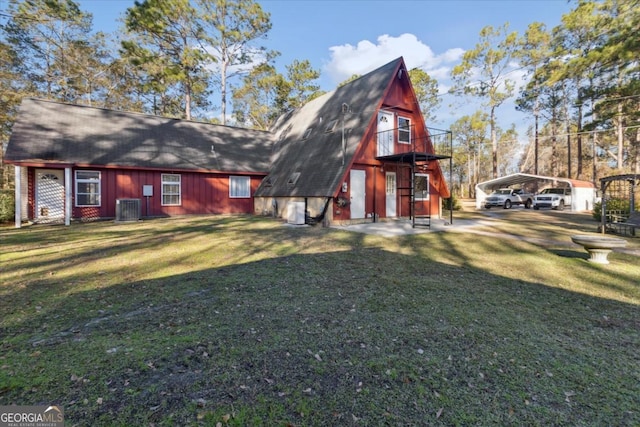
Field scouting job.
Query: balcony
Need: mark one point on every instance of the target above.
(408, 146)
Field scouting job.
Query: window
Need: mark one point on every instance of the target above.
(421, 186)
(269, 181)
(171, 190)
(331, 126)
(87, 188)
(49, 177)
(239, 187)
(404, 130)
(293, 179)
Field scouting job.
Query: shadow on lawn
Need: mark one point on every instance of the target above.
(571, 254)
(354, 334)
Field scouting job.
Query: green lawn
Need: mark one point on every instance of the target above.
(244, 321)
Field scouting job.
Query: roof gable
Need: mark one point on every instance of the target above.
(54, 132)
(318, 140)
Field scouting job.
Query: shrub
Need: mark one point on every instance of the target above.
(7, 205)
(452, 203)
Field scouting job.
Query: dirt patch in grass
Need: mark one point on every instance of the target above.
(242, 321)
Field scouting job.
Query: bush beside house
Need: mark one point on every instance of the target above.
(7, 203)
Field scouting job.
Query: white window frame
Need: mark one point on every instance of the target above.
(239, 187)
(421, 194)
(95, 179)
(403, 129)
(171, 183)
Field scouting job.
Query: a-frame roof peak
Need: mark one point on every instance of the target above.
(320, 157)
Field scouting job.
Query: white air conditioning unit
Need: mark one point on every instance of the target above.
(295, 213)
(127, 209)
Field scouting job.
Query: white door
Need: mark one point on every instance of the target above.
(390, 186)
(357, 193)
(385, 134)
(49, 195)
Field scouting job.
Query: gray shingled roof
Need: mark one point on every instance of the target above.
(317, 159)
(301, 146)
(53, 132)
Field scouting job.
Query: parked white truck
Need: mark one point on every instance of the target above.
(507, 197)
(554, 198)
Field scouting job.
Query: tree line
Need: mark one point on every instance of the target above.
(582, 94)
(198, 59)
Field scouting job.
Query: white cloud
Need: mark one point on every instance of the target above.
(347, 60)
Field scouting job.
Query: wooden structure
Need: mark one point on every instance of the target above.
(619, 212)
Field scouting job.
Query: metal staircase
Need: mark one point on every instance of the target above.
(412, 169)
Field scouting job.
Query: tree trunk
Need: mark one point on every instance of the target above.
(187, 101)
(223, 89)
(594, 136)
(579, 143)
(567, 121)
(620, 129)
(535, 153)
(494, 142)
(554, 147)
(636, 152)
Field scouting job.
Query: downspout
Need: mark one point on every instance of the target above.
(18, 195)
(67, 196)
(345, 109)
(375, 180)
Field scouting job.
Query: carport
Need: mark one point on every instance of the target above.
(583, 193)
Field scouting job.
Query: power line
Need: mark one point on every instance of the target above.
(561, 135)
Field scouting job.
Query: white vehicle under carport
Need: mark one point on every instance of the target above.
(507, 197)
(583, 193)
(554, 198)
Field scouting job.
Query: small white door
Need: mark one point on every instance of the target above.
(358, 193)
(391, 200)
(49, 195)
(385, 134)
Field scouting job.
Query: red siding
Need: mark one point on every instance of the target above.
(201, 193)
(401, 98)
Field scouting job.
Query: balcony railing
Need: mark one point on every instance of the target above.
(407, 140)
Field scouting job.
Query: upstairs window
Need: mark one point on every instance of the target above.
(404, 130)
(87, 188)
(171, 190)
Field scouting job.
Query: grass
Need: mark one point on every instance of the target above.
(243, 321)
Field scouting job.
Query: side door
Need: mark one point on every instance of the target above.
(358, 193)
(49, 195)
(390, 194)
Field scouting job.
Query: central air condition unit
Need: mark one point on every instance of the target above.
(127, 209)
(295, 213)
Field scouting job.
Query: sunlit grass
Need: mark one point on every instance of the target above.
(246, 321)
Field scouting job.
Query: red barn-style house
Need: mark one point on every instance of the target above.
(359, 153)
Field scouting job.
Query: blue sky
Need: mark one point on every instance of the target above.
(346, 37)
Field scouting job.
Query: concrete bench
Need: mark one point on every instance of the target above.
(598, 246)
